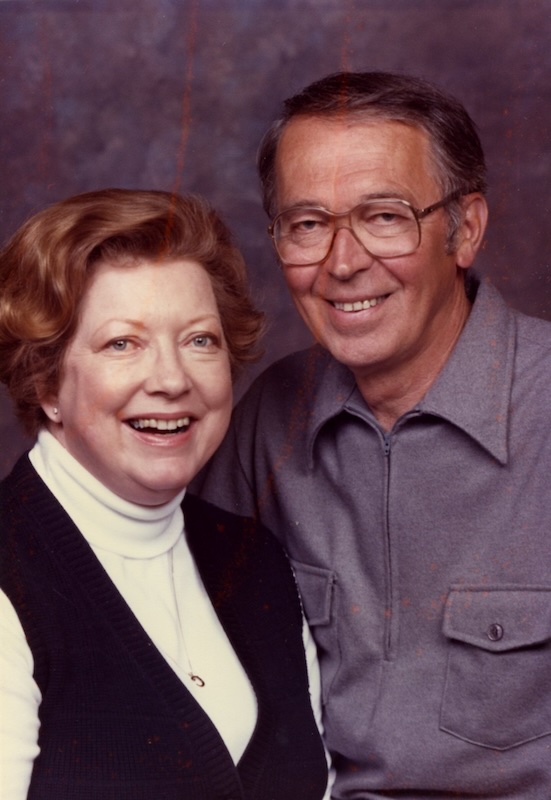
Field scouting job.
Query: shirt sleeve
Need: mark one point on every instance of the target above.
(19, 702)
(314, 681)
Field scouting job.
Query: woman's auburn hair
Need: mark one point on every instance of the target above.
(46, 267)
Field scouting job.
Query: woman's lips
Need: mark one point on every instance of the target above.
(159, 425)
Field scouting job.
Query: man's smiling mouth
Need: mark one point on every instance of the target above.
(359, 305)
(163, 426)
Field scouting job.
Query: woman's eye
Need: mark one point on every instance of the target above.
(203, 340)
(119, 345)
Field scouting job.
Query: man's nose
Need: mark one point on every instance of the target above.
(169, 373)
(347, 255)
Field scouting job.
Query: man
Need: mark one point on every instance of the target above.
(405, 460)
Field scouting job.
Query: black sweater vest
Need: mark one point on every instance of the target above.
(116, 722)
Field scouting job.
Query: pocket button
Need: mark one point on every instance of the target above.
(495, 632)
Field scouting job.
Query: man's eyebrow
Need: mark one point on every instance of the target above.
(383, 194)
(300, 204)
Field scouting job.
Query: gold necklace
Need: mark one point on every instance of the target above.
(190, 672)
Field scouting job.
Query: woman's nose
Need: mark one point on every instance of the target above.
(168, 373)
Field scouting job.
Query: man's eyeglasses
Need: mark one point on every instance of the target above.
(385, 227)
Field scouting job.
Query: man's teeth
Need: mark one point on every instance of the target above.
(161, 424)
(359, 305)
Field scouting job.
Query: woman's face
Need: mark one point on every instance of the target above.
(145, 393)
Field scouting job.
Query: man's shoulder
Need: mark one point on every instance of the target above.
(532, 370)
(532, 335)
(293, 393)
(305, 373)
(292, 365)
(534, 331)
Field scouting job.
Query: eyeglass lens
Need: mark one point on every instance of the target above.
(386, 228)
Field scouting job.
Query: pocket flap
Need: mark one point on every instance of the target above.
(498, 618)
(316, 589)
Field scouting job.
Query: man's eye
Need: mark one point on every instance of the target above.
(384, 215)
(307, 224)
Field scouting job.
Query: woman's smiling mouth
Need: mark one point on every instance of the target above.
(163, 426)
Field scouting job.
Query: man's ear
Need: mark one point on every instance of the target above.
(471, 231)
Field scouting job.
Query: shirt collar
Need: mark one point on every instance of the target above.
(472, 391)
(333, 388)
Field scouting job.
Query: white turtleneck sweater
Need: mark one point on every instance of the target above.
(145, 554)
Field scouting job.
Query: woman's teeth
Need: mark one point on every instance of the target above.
(163, 425)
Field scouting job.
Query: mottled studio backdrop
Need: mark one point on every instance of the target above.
(175, 94)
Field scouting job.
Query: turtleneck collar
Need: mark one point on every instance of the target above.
(106, 520)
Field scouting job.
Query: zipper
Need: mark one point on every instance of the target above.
(392, 606)
(389, 588)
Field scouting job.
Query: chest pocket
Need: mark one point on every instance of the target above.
(498, 684)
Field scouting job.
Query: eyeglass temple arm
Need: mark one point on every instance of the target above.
(423, 212)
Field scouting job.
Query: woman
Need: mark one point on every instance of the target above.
(141, 658)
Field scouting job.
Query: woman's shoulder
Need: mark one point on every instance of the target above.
(239, 551)
(21, 484)
(206, 522)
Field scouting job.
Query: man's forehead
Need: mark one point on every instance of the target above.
(374, 155)
(303, 135)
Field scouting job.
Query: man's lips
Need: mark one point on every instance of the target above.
(160, 425)
(358, 305)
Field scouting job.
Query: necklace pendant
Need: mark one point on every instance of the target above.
(197, 679)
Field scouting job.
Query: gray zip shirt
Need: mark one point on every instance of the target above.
(423, 556)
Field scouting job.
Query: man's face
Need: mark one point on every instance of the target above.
(417, 302)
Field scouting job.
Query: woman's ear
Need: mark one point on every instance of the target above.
(50, 407)
(471, 231)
